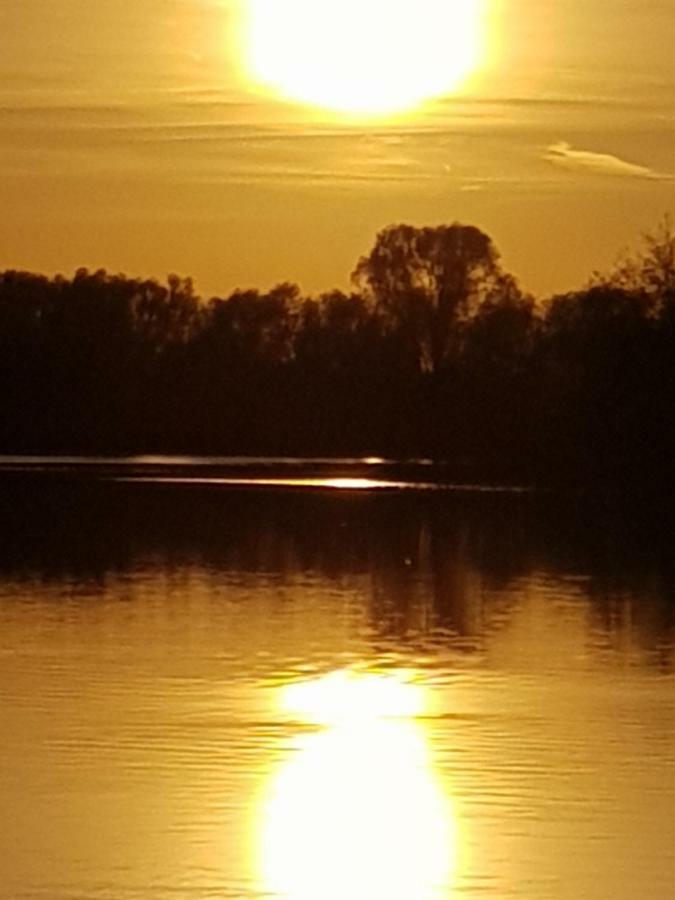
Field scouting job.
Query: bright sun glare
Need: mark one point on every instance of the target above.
(357, 810)
(363, 57)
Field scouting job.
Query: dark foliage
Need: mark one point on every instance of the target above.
(438, 354)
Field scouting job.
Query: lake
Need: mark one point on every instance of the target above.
(330, 681)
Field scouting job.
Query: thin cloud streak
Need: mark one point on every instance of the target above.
(563, 154)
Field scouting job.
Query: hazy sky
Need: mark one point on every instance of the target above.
(131, 139)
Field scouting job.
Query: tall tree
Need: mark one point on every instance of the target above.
(427, 281)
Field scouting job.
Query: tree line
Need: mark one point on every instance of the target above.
(436, 352)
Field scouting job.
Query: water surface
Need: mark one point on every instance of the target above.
(218, 691)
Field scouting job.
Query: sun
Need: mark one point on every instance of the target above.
(362, 57)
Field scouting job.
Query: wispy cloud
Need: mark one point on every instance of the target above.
(563, 154)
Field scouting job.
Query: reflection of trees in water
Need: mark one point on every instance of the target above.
(450, 574)
(441, 570)
(626, 559)
(636, 617)
(428, 587)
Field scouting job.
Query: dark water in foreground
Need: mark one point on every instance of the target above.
(346, 694)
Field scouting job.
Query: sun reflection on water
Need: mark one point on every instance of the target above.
(357, 811)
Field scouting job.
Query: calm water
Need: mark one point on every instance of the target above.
(210, 692)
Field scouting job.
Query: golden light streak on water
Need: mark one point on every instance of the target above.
(357, 809)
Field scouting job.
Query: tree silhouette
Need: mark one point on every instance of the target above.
(426, 281)
(651, 270)
(438, 354)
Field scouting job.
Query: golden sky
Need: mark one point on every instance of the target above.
(133, 138)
